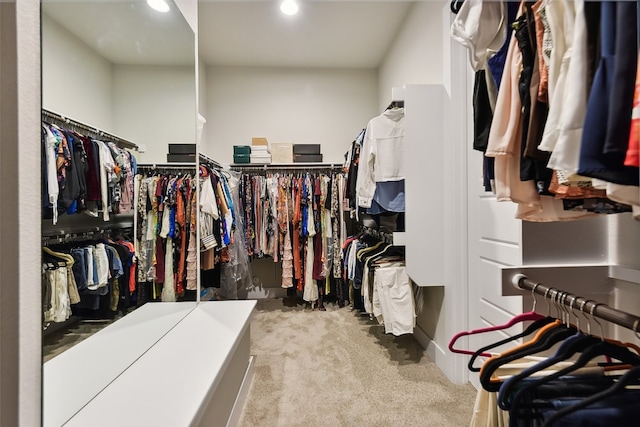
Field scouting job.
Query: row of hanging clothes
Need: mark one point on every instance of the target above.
(555, 104)
(296, 217)
(224, 259)
(90, 278)
(166, 210)
(378, 284)
(374, 168)
(562, 374)
(82, 173)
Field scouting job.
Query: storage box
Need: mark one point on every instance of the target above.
(181, 158)
(182, 149)
(241, 158)
(306, 149)
(241, 149)
(260, 159)
(260, 149)
(282, 152)
(259, 141)
(307, 158)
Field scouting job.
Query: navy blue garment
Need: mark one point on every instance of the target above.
(534, 401)
(620, 410)
(80, 268)
(496, 62)
(606, 130)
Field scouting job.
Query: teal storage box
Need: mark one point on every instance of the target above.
(242, 158)
(241, 150)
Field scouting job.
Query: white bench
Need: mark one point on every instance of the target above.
(165, 364)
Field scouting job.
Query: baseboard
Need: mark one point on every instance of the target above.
(433, 350)
(238, 406)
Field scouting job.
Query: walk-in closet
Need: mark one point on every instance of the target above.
(319, 213)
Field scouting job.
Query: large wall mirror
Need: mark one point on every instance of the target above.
(125, 70)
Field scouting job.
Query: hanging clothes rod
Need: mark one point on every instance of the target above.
(587, 306)
(288, 167)
(209, 161)
(166, 166)
(92, 131)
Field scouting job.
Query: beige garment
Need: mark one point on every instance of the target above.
(287, 260)
(207, 260)
(310, 292)
(168, 289)
(506, 135)
(192, 259)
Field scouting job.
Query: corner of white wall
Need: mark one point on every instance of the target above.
(446, 48)
(189, 9)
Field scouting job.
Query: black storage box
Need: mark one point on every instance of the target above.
(307, 158)
(182, 149)
(181, 158)
(306, 149)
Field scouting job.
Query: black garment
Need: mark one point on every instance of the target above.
(531, 167)
(482, 112)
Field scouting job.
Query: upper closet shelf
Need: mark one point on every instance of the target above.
(92, 131)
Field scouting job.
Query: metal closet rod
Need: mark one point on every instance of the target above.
(168, 167)
(90, 129)
(247, 167)
(210, 161)
(587, 306)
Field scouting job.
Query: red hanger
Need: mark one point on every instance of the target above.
(531, 315)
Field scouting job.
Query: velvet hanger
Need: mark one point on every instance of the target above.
(528, 331)
(631, 377)
(524, 317)
(544, 339)
(574, 344)
(602, 348)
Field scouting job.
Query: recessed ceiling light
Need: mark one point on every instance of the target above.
(289, 7)
(159, 5)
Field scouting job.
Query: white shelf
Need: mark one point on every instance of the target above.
(628, 274)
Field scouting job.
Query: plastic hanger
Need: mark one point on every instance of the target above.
(524, 317)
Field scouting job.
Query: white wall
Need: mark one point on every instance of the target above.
(76, 81)
(415, 57)
(300, 106)
(154, 106)
(20, 315)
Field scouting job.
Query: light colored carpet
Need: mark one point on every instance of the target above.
(338, 368)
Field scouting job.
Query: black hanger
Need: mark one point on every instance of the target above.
(544, 342)
(602, 348)
(530, 329)
(572, 345)
(455, 6)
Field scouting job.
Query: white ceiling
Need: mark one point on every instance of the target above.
(126, 31)
(335, 34)
(325, 33)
